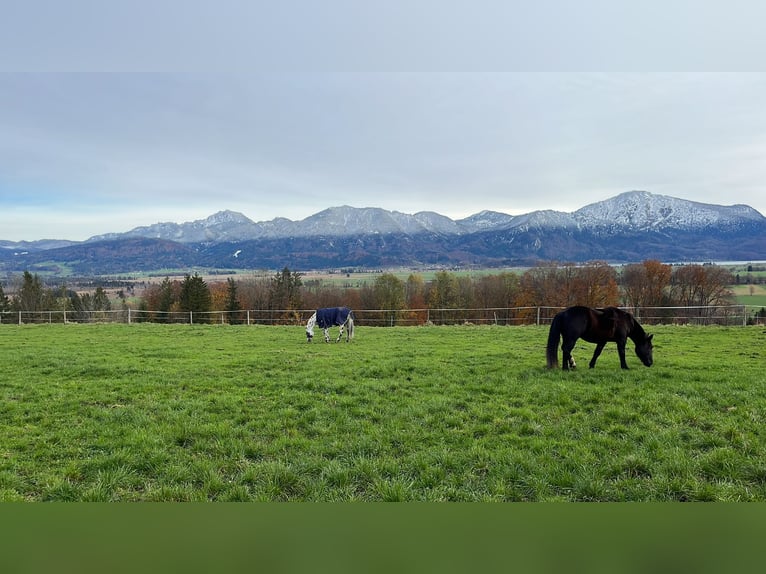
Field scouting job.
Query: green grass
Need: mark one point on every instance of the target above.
(753, 302)
(235, 413)
(360, 278)
(743, 295)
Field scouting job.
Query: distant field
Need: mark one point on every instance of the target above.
(231, 413)
(751, 295)
(362, 278)
(358, 279)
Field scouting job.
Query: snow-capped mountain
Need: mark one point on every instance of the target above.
(221, 226)
(346, 220)
(641, 210)
(485, 220)
(632, 226)
(545, 219)
(633, 211)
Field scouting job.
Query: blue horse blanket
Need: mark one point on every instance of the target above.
(332, 316)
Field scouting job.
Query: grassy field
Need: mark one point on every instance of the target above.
(234, 413)
(751, 295)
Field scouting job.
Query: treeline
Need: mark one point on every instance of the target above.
(555, 285)
(33, 296)
(391, 298)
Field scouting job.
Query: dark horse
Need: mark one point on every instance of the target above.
(597, 326)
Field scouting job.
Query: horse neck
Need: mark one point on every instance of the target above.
(636, 332)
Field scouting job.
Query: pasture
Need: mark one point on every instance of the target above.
(751, 295)
(149, 412)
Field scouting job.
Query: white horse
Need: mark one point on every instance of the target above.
(329, 317)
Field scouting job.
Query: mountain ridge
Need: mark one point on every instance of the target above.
(628, 227)
(632, 209)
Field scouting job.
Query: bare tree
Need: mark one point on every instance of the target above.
(645, 284)
(701, 285)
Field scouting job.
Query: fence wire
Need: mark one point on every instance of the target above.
(541, 315)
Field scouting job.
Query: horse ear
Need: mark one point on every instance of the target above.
(649, 338)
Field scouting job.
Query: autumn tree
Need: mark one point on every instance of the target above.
(539, 286)
(162, 299)
(553, 285)
(498, 292)
(701, 285)
(5, 303)
(218, 295)
(390, 296)
(253, 292)
(646, 284)
(415, 298)
(594, 285)
(317, 294)
(465, 296)
(443, 293)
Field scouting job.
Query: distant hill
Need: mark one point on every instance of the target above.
(632, 226)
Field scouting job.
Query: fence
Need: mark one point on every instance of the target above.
(694, 315)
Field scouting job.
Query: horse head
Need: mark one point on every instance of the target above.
(644, 350)
(310, 327)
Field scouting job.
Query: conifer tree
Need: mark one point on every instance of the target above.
(232, 302)
(285, 292)
(31, 295)
(195, 296)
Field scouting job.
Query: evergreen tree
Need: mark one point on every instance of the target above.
(285, 292)
(31, 295)
(166, 300)
(101, 300)
(195, 296)
(78, 306)
(232, 302)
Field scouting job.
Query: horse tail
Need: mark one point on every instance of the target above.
(350, 325)
(552, 350)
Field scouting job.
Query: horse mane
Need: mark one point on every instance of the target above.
(636, 331)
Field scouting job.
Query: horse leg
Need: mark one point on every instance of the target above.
(326, 332)
(566, 348)
(340, 334)
(621, 352)
(596, 353)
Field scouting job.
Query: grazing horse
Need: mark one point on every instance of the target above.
(326, 318)
(597, 326)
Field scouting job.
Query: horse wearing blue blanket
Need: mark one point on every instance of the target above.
(329, 317)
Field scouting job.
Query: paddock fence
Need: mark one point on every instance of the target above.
(731, 315)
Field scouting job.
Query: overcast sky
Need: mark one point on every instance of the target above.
(85, 154)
